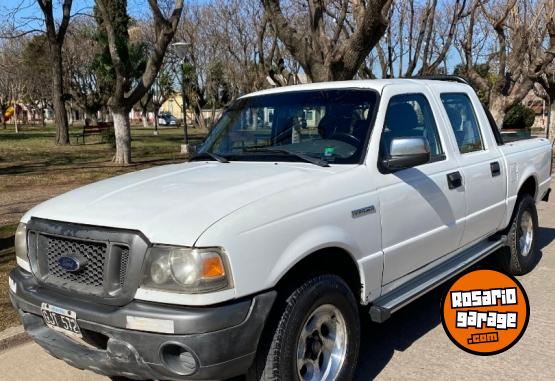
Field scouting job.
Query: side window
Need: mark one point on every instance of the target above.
(463, 121)
(410, 115)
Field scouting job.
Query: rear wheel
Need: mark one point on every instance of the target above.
(521, 255)
(315, 335)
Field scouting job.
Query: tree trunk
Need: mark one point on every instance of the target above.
(144, 118)
(155, 120)
(497, 107)
(122, 128)
(320, 73)
(199, 118)
(15, 119)
(60, 114)
(92, 115)
(70, 117)
(213, 116)
(551, 121)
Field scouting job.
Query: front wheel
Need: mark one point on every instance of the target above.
(316, 337)
(521, 254)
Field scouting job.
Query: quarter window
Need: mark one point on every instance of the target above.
(463, 121)
(410, 115)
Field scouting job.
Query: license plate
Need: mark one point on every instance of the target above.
(60, 319)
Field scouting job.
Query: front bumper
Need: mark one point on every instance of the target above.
(208, 343)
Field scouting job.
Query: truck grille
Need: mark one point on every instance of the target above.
(111, 259)
(123, 266)
(100, 273)
(94, 253)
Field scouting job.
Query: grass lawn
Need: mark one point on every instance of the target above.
(34, 169)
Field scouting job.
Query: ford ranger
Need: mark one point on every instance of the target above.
(304, 205)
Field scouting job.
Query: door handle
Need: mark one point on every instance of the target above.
(454, 180)
(495, 169)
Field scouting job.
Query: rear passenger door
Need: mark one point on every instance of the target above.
(422, 218)
(481, 165)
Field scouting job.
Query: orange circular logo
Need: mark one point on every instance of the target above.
(485, 312)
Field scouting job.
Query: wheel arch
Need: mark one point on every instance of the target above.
(528, 186)
(332, 259)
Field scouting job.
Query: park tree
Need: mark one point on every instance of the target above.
(144, 106)
(248, 41)
(546, 80)
(12, 81)
(162, 90)
(315, 36)
(36, 73)
(83, 67)
(7, 66)
(232, 50)
(418, 39)
(523, 48)
(55, 34)
(114, 21)
(192, 70)
(163, 87)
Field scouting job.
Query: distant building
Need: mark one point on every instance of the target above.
(174, 106)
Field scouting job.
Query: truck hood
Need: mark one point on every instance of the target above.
(174, 204)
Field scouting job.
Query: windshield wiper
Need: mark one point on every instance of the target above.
(209, 155)
(302, 156)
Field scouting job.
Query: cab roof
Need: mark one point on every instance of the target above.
(374, 84)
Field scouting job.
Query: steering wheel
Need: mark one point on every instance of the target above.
(347, 138)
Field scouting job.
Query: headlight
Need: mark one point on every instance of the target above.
(187, 270)
(21, 247)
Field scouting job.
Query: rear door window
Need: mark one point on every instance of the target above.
(463, 122)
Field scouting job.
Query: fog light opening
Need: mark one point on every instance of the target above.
(178, 359)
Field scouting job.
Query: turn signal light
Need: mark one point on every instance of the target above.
(213, 267)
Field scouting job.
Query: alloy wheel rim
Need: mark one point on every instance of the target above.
(526, 233)
(322, 345)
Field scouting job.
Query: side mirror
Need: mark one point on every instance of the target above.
(407, 152)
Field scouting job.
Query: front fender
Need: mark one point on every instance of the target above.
(310, 241)
(370, 268)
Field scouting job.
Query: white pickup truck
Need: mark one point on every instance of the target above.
(304, 206)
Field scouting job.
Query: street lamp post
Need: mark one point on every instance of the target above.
(181, 49)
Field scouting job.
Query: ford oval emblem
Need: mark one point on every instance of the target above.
(70, 263)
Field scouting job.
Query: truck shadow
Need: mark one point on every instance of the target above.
(380, 341)
(545, 237)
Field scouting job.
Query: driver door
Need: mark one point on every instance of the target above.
(422, 218)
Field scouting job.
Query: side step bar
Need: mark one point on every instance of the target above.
(387, 304)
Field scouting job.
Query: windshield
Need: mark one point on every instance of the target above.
(323, 126)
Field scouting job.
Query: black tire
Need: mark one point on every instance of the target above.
(276, 357)
(511, 259)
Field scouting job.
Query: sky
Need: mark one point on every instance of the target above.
(29, 10)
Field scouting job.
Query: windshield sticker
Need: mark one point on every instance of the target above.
(329, 151)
